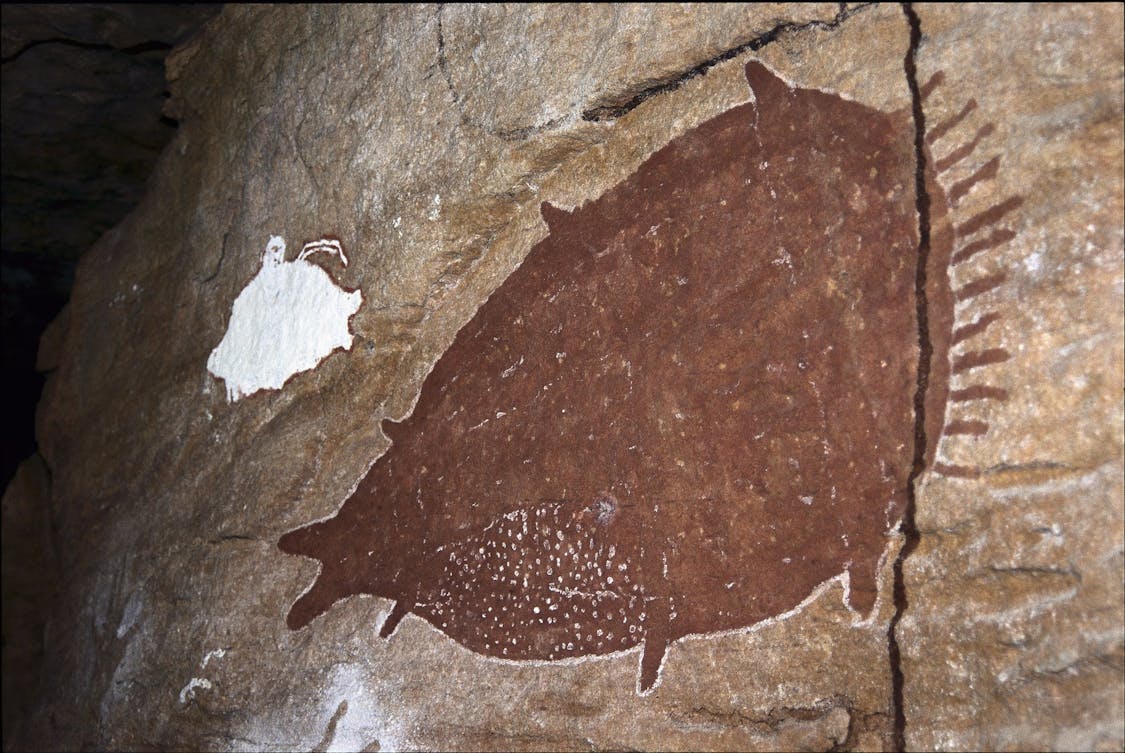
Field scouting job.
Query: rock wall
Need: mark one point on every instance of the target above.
(82, 89)
(425, 140)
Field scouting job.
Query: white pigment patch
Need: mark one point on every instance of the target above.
(188, 692)
(366, 720)
(130, 614)
(286, 320)
(217, 653)
(1033, 262)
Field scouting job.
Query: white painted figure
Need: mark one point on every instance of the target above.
(286, 320)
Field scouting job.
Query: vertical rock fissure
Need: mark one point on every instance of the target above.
(908, 527)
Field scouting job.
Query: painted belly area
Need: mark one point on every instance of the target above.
(545, 583)
(689, 406)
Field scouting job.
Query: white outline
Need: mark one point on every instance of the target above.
(843, 578)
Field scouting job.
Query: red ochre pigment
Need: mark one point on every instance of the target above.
(691, 405)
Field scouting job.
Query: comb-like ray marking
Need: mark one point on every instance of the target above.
(977, 358)
(979, 325)
(971, 427)
(966, 233)
(978, 392)
(969, 250)
(946, 126)
(988, 171)
(957, 471)
(930, 86)
(979, 286)
(963, 151)
(989, 216)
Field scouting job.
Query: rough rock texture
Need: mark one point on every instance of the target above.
(425, 139)
(1013, 638)
(78, 84)
(83, 87)
(29, 583)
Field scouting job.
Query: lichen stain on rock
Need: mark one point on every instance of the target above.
(689, 407)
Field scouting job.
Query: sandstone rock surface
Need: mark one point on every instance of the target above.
(1014, 635)
(425, 139)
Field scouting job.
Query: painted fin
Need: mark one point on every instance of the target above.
(658, 637)
(863, 586)
(400, 610)
(553, 216)
(766, 85)
(314, 602)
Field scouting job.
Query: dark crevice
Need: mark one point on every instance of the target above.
(219, 263)
(613, 111)
(170, 122)
(616, 110)
(136, 49)
(443, 65)
(232, 537)
(909, 526)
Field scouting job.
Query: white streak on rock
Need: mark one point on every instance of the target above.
(130, 614)
(367, 719)
(217, 653)
(188, 692)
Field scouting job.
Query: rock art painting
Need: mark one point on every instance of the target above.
(286, 320)
(690, 407)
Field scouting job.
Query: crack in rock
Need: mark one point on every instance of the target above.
(909, 527)
(153, 45)
(611, 111)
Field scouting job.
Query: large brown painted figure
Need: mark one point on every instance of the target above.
(691, 404)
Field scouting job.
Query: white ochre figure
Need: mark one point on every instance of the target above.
(285, 321)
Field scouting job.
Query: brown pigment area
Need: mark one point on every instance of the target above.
(689, 406)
